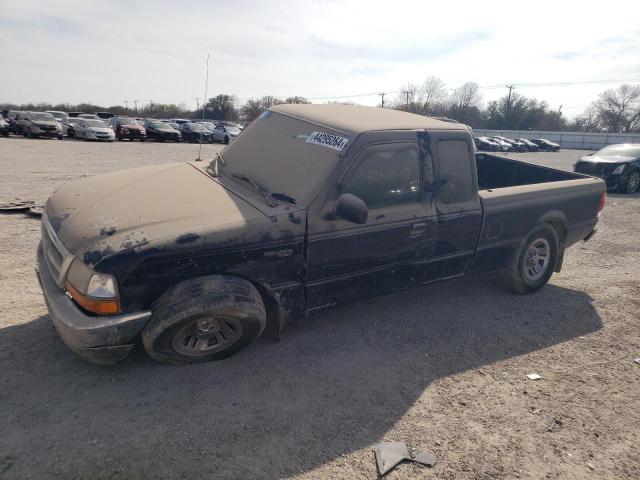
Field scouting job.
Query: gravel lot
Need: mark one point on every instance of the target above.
(441, 367)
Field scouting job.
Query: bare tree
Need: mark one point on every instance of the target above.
(618, 109)
(433, 96)
(464, 100)
(296, 99)
(407, 98)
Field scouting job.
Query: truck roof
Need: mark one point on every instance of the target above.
(355, 119)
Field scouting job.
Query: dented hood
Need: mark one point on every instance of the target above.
(147, 207)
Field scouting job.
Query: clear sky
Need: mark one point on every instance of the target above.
(105, 52)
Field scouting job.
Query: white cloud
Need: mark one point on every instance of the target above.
(105, 52)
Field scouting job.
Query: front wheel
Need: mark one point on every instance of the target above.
(226, 139)
(535, 262)
(632, 183)
(208, 318)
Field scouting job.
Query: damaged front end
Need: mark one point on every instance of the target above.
(83, 304)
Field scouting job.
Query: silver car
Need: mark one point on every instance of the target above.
(91, 129)
(225, 133)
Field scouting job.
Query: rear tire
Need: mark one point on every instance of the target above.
(208, 318)
(226, 140)
(533, 266)
(632, 182)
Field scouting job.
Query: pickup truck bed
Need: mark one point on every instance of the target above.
(515, 196)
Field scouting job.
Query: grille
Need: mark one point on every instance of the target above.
(58, 258)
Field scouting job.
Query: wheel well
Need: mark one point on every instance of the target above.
(560, 229)
(275, 317)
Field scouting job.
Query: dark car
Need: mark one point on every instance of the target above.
(618, 165)
(531, 147)
(128, 128)
(311, 207)
(41, 124)
(14, 119)
(4, 127)
(161, 131)
(546, 145)
(196, 133)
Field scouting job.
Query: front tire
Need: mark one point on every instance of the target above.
(632, 182)
(208, 318)
(533, 266)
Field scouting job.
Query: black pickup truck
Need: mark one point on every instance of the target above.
(312, 206)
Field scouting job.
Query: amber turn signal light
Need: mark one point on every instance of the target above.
(101, 307)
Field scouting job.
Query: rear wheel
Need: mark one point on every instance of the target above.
(632, 182)
(535, 262)
(204, 319)
(226, 139)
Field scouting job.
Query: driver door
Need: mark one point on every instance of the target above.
(389, 252)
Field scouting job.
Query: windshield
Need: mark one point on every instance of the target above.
(59, 115)
(159, 125)
(196, 127)
(42, 116)
(275, 144)
(95, 123)
(629, 151)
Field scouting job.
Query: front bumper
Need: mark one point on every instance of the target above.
(100, 340)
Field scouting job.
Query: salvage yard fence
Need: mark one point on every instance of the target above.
(575, 140)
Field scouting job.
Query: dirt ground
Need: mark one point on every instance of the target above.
(442, 368)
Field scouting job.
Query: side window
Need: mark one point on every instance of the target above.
(454, 162)
(388, 175)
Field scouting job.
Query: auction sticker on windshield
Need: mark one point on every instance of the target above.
(328, 140)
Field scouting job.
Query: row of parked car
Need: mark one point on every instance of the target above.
(504, 144)
(88, 126)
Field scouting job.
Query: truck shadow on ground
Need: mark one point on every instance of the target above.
(336, 384)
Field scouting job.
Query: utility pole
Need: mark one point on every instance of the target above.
(407, 94)
(126, 104)
(510, 87)
(136, 104)
(382, 95)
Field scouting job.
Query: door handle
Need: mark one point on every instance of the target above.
(418, 229)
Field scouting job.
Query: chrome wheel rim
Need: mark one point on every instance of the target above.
(207, 335)
(632, 182)
(536, 259)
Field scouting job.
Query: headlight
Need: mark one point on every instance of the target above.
(102, 285)
(618, 170)
(95, 292)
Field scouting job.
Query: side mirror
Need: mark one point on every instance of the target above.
(351, 208)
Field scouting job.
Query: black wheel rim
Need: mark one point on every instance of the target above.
(207, 335)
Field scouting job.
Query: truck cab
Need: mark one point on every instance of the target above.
(311, 207)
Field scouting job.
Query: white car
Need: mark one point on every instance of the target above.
(504, 146)
(225, 133)
(90, 129)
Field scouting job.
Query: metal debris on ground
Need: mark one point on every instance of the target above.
(22, 206)
(425, 458)
(390, 454)
(533, 376)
